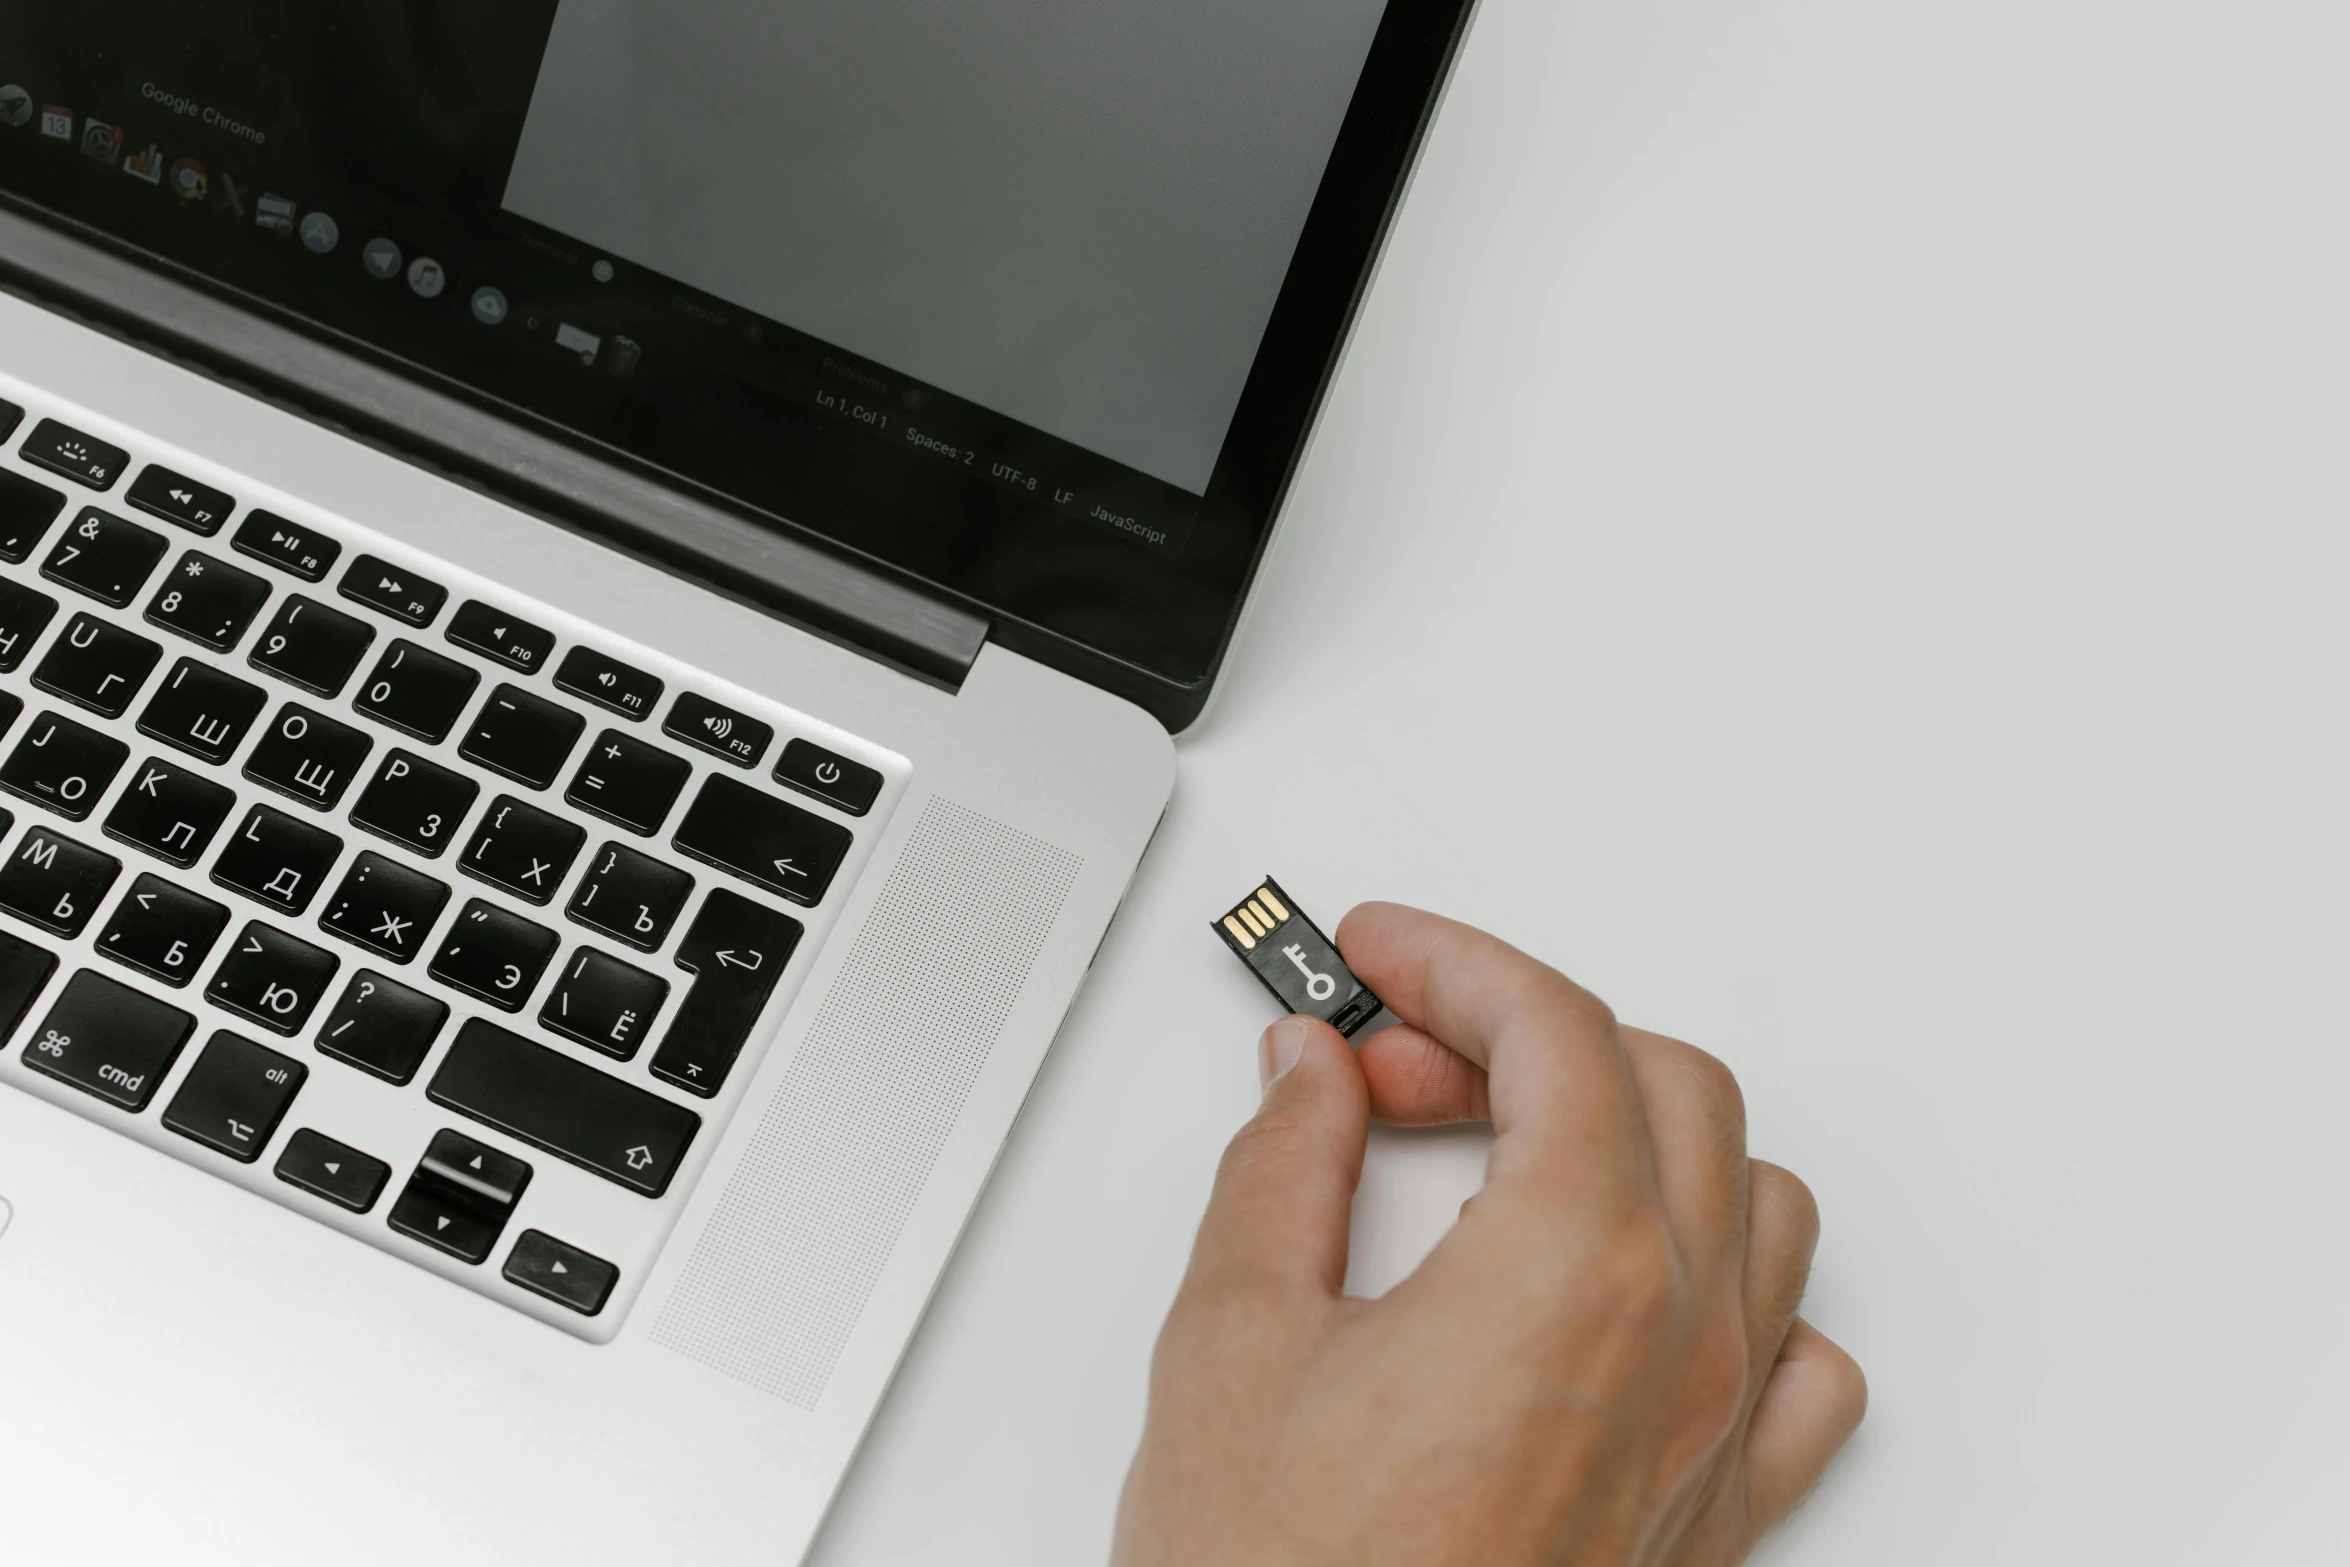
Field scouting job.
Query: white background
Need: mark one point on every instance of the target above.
(1833, 531)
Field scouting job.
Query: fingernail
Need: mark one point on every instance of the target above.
(1279, 1050)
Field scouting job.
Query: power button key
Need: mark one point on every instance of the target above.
(835, 780)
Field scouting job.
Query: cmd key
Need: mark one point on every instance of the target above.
(107, 1039)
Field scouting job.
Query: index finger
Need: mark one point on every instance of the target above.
(1563, 1097)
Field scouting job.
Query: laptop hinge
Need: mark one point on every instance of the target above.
(664, 523)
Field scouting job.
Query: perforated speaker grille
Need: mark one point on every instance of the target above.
(801, 1233)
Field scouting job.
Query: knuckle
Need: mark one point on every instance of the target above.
(1640, 1282)
(1789, 1199)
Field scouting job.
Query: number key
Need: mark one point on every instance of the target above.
(207, 601)
(163, 930)
(26, 510)
(271, 977)
(630, 897)
(105, 556)
(415, 802)
(311, 645)
(494, 955)
(418, 691)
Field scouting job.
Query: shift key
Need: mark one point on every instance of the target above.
(570, 1109)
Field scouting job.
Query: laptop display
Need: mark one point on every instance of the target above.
(1030, 300)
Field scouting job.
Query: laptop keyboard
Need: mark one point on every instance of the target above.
(383, 891)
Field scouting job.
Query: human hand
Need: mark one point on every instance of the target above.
(1600, 1365)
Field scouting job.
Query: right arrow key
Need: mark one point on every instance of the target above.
(768, 842)
(735, 950)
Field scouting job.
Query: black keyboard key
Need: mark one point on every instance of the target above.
(54, 882)
(737, 737)
(109, 1040)
(607, 682)
(11, 707)
(335, 1171)
(766, 841)
(162, 930)
(494, 634)
(308, 756)
(570, 1109)
(104, 556)
(415, 802)
(207, 601)
(562, 1273)
(275, 979)
(24, 614)
(397, 591)
(234, 1096)
(24, 969)
(603, 1003)
(177, 498)
(311, 645)
(26, 510)
(170, 812)
(69, 454)
(289, 546)
(830, 777)
(418, 691)
(522, 849)
(382, 1026)
(630, 897)
(61, 765)
(97, 666)
(11, 415)
(522, 736)
(494, 955)
(460, 1196)
(736, 950)
(624, 780)
(384, 906)
(203, 711)
(277, 859)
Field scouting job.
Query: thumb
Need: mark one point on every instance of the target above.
(1285, 1190)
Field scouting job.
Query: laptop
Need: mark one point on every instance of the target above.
(593, 601)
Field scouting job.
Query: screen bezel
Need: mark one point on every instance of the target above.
(1095, 604)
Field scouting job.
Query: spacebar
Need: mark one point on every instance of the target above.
(566, 1107)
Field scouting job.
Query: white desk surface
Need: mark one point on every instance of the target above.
(1835, 529)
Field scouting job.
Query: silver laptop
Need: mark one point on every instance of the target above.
(593, 597)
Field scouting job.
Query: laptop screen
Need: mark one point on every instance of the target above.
(982, 289)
